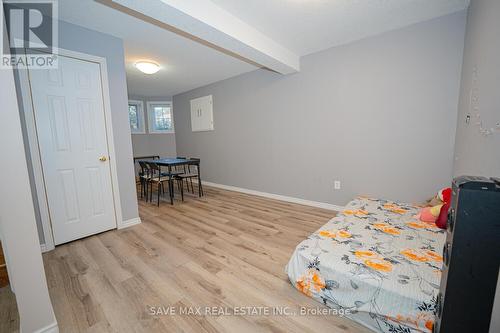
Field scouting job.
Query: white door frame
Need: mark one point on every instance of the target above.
(36, 162)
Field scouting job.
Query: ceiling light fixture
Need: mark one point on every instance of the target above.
(147, 67)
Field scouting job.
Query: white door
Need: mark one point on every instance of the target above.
(70, 122)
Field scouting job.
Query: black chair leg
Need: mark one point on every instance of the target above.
(182, 189)
(200, 188)
(192, 187)
(149, 189)
(151, 192)
(160, 185)
(171, 189)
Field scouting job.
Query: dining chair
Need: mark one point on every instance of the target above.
(180, 168)
(191, 171)
(144, 178)
(197, 172)
(140, 171)
(183, 171)
(159, 178)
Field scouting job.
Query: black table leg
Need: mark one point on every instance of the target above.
(199, 180)
(170, 185)
(158, 186)
(182, 189)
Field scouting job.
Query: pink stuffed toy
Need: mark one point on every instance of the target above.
(429, 214)
(441, 201)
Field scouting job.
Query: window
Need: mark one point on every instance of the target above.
(136, 117)
(160, 117)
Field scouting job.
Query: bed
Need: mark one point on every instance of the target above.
(374, 262)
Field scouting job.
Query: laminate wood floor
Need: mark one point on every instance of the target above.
(9, 316)
(226, 250)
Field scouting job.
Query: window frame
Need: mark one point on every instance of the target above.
(151, 116)
(140, 116)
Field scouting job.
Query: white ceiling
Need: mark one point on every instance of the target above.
(302, 26)
(308, 26)
(185, 63)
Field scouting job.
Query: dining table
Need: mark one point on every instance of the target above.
(173, 162)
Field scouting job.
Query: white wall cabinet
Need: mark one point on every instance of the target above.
(202, 114)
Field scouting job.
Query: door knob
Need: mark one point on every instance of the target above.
(103, 158)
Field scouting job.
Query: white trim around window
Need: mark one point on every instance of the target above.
(141, 123)
(153, 121)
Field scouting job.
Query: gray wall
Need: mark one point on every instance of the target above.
(162, 144)
(378, 114)
(476, 154)
(76, 38)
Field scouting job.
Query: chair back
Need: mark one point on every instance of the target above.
(193, 167)
(153, 167)
(149, 157)
(139, 170)
(180, 168)
(145, 171)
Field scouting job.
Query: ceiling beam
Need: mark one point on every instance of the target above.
(207, 23)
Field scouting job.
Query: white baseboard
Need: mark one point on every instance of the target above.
(46, 248)
(129, 223)
(299, 201)
(124, 224)
(52, 328)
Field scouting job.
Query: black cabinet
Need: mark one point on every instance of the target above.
(471, 257)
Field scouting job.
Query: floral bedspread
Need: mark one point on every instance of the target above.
(375, 260)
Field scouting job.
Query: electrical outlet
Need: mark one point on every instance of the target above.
(336, 184)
